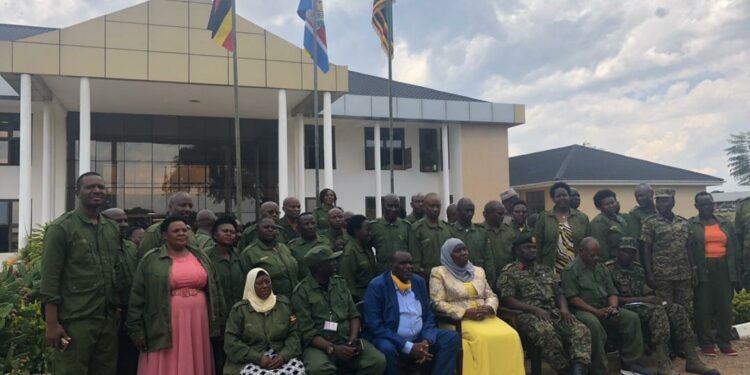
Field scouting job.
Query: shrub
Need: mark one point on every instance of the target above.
(741, 307)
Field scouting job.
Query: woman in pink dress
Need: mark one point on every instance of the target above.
(176, 307)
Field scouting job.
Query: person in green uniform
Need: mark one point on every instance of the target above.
(267, 209)
(474, 237)
(329, 322)
(272, 256)
(288, 223)
(663, 319)
(135, 235)
(204, 222)
(575, 198)
(667, 261)
(427, 235)
(417, 208)
(559, 231)
(127, 261)
(309, 238)
(608, 227)
(499, 236)
(357, 264)
(389, 233)
(532, 288)
(225, 259)
(742, 226)
(644, 197)
(180, 205)
(519, 213)
(79, 284)
(327, 199)
(336, 232)
(261, 334)
(509, 198)
(588, 286)
(713, 244)
(451, 214)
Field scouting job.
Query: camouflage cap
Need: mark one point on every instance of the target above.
(508, 194)
(664, 193)
(320, 253)
(628, 243)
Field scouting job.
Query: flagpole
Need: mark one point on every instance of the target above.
(390, 97)
(237, 146)
(315, 99)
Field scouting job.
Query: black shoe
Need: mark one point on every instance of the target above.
(635, 369)
(579, 369)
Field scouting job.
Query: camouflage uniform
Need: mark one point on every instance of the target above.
(669, 259)
(661, 320)
(536, 285)
(742, 227)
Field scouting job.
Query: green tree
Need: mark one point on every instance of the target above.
(739, 157)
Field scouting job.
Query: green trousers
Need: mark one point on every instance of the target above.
(626, 325)
(369, 362)
(713, 304)
(92, 349)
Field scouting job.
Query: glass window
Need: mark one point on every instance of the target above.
(430, 153)
(310, 146)
(9, 138)
(401, 155)
(8, 225)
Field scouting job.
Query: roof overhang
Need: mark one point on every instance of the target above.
(546, 184)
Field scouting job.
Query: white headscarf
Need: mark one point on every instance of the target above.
(258, 304)
(465, 273)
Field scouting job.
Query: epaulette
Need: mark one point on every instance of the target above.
(242, 302)
(508, 266)
(609, 262)
(283, 299)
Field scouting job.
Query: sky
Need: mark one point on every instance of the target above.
(665, 81)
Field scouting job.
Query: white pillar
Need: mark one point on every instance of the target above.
(24, 181)
(446, 170)
(283, 148)
(47, 163)
(456, 160)
(84, 138)
(327, 141)
(378, 176)
(300, 146)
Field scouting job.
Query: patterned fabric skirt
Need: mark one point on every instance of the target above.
(566, 250)
(293, 367)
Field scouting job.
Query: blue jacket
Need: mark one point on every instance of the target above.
(381, 312)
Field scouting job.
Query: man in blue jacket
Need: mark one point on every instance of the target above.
(399, 320)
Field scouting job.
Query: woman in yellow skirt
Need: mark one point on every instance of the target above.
(460, 290)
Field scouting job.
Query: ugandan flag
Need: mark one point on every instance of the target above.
(382, 22)
(220, 23)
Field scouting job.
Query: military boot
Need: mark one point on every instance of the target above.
(694, 364)
(664, 364)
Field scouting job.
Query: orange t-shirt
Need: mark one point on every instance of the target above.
(716, 241)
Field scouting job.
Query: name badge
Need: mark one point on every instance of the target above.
(330, 326)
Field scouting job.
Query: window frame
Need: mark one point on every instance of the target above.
(369, 133)
(10, 123)
(424, 152)
(13, 231)
(310, 147)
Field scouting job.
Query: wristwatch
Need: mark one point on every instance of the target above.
(329, 350)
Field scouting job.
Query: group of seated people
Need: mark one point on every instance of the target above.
(321, 292)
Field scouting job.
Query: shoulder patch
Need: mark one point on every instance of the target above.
(243, 302)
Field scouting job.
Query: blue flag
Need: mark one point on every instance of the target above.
(314, 24)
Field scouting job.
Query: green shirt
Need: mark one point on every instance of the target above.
(79, 261)
(337, 240)
(547, 233)
(321, 217)
(204, 239)
(127, 262)
(425, 241)
(669, 252)
(299, 247)
(229, 272)
(608, 232)
(249, 334)
(500, 244)
(412, 218)
(314, 304)
(742, 227)
(534, 285)
(248, 236)
(636, 217)
(592, 284)
(286, 232)
(277, 260)
(387, 238)
(357, 266)
(152, 239)
(697, 246)
(475, 239)
(630, 282)
(149, 312)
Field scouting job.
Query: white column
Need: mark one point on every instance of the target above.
(283, 148)
(446, 170)
(24, 181)
(378, 176)
(300, 146)
(456, 160)
(84, 137)
(327, 141)
(47, 163)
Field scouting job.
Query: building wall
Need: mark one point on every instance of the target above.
(485, 162)
(683, 198)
